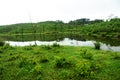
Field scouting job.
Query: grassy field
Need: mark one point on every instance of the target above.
(57, 62)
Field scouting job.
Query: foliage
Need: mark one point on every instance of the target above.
(83, 68)
(83, 26)
(97, 45)
(72, 63)
(2, 43)
(61, 62)
(55, 45)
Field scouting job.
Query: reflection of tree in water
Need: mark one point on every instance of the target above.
(22, 34)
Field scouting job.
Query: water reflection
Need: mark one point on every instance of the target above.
(59, 37)
(65, 41)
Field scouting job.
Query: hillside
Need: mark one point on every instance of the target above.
(96, 28)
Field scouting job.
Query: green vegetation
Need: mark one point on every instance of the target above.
(57, 62)
(97, 45)
(2, 43)
(95, 28)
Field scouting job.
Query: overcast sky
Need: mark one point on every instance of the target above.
(21, 11)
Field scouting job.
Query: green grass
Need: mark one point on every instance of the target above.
(57, 62)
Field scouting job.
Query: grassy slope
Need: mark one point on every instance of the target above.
(58, 63)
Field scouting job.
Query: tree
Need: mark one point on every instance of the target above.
(81, 21)
(96, 21)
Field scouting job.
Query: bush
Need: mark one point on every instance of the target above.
(56, 45)
(87, 69)
(1, 51)
(61, 62)
(28, 48)
(1, 70)
(2, 43)
(116, 56)
(87, 55)
(47, 47)
(83, 68)
(27, 64)
(43, 59)
(37, 69)
(97, 45)
(7, 46)
(96, 66)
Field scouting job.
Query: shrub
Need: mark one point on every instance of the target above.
(55, 45)
(37, 69)
(43, 59)
(96, 66)
(28, 48)
(83, 68)
(117, 36)
(116, 56)
(103, 34)
(13, 58)
(27, 64)
(2, 43)
(47, 47)
(61, 62)
(97, 45)
(1, 70)
(86, 69)
(1, 51)
(87, 55)
(7, 46)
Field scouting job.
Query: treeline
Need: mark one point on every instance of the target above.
(109, 28)
(98, 27)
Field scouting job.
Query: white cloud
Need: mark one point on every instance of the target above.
(16, 11)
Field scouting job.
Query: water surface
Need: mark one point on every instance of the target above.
(65, 41)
